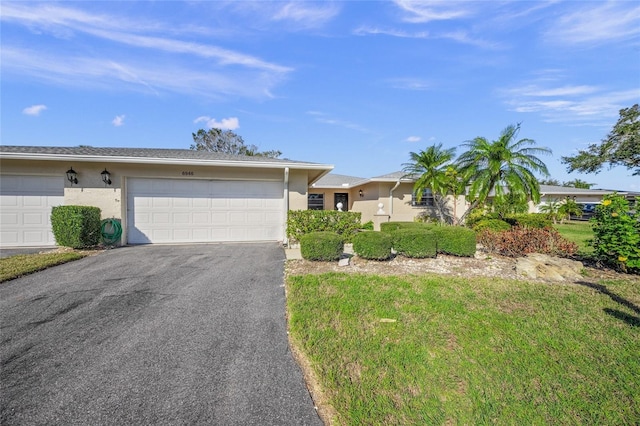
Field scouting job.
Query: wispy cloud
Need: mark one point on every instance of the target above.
(323, 118)
(72, 71)
(409, 84)
(438, 10)
(571, 104)
(460, 36)
(225, 72)
(307, 15)
(414, 139)
(230, 123)
(118, 120)
(34, 110)
(597, 23)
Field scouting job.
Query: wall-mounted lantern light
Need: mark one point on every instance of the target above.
(361, 193)
(106, 177)
(72, 176)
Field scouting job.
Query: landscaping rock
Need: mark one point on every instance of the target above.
(343, 262)
(542, 266)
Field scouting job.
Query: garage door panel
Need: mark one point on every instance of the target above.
(31, 219)
(200, 218)
(204, 210)
(25, 209)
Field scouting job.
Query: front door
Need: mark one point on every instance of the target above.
(341, 197)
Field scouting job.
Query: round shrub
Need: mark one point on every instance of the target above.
(373, 245)
(455, 240)
(76, 226)
(417, 243)
(495, 225)
(324, 246)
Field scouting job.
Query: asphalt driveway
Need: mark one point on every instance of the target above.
(152, 335)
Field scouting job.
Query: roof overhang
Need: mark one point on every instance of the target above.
(316, 171)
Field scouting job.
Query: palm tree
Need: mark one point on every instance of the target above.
(569, 208)
(551, 208)
(430, 166)
(504, 165)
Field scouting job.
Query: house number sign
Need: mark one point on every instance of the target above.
(187, 173)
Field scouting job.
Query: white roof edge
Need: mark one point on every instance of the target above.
(152, 160)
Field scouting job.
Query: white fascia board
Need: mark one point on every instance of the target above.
(165, 161)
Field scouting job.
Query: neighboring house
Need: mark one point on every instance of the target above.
(160, 195)
(587, 198)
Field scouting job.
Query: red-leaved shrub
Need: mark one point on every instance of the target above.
(518, 241)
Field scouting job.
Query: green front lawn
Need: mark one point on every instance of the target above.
(17, 266)
(446, 350)
(578, 232)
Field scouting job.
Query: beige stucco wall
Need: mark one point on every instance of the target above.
(112, 199)
(397, 204)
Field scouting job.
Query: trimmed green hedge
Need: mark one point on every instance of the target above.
(76, 226)
(529, 220)
(418, 243)
(325, 246)
(395, 226)
(302, 222)
(373, 245)
(491, 224)
(455, 240)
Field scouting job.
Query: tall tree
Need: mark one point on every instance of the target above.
(228, 142)
(621, 147)
(578, 183)
(430, 166)
(506, 165)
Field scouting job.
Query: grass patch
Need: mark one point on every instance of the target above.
(445, 350)
(578, 232)
(16, 266)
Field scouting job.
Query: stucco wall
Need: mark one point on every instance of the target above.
(111, 199)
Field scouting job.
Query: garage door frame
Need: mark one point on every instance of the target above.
(187, 210)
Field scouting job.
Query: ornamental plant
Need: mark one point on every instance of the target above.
(617, 234)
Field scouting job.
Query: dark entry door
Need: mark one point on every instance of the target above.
(341, 197)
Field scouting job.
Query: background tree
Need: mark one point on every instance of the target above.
(504, 165)
(621, 147)
(509, 203)
(226, 141)
(551, 208)
(578, 183)
(430, 166)
(569, 208)
(550, 181)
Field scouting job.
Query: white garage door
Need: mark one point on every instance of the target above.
(25, 209)
(178, 211)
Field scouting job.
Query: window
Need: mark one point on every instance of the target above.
(425, 201)
(315, 202)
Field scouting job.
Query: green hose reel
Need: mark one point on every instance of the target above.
(111, 231)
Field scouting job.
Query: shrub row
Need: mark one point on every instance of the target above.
(519, 241)
(302, 222)
(479, 220)
(76, 226)
(409, 239)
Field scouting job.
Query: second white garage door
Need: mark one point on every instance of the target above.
(179, 211)
(25, 209)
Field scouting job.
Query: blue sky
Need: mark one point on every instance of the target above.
(355, 84)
